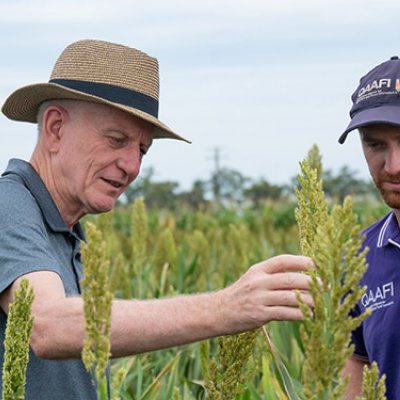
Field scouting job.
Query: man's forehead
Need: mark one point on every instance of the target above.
(105, 114)
(378, 129)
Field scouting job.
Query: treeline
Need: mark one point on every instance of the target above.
(230, 188)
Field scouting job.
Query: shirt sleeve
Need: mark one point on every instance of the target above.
(24, 243)
(357, 338)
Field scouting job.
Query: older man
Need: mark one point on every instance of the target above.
(376, 114)
(97, 118)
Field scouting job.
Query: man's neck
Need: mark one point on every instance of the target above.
(41, 166)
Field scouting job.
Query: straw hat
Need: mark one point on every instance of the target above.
(100, 72)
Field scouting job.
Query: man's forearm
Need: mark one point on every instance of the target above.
(137, 326)
(141, 326)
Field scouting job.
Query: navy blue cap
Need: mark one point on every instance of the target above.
(377, 98)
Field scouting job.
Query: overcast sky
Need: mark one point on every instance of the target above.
(259, 80)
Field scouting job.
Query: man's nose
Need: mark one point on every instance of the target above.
(392, 161)
(130, 162)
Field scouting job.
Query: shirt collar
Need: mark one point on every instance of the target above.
(389, 232)
(36, 186)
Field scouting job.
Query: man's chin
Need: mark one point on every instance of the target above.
(391, 198)
(102, 207)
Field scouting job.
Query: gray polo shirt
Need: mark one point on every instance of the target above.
(34, 237)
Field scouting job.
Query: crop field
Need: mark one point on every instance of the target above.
(158, 253)
(139, 253)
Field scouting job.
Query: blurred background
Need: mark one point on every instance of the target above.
(253, 84)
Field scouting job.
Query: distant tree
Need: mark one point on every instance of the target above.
(228, 186)
(162, 195)
(156, 194)
(196, 197)
(372, 190)
(344, 183)
(261, 190)
(140, 187)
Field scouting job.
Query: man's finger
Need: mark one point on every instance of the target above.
(287, 298)
(289, 281)
(286, 263)
(282, 313)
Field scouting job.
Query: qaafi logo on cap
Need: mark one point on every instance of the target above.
(377, 98)
(375, 88)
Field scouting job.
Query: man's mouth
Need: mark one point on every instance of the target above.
(116, 184)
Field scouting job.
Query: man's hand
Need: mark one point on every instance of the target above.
(267, 291)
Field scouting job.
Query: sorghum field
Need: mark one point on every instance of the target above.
(138, 253)
(157, 253)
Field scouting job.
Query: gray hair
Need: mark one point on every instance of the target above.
(46, 104)
(39, 116)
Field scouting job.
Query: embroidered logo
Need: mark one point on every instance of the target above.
(379, 297)
(378, 87)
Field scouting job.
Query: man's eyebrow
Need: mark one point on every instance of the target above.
(116, 130)
(367, 138)
(366, 135)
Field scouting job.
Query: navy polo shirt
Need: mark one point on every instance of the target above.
(378, 338)
(34, 237)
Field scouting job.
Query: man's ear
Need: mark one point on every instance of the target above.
(54, 118)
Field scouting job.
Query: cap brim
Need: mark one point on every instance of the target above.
(23, 104)
(379, 115)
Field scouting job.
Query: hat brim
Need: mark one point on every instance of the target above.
(379, 115)
(23, 105)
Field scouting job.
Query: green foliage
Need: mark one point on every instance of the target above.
(373, 387)
(157, 253)
(157, 194)
(16, 343)
(314, 159)
(225, 374)
(258, 192)
(332, 240)
(312, 208)
(154, 253)
(345, 183)
(139, 229)
(97, 300)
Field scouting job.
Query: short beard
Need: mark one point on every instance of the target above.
(390, 197)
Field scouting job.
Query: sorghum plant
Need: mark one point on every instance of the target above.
(97, 299)
(373, 389)
(16, 343)
(225, 376)
(332, 239)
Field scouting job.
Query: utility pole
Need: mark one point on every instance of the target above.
(216, 176)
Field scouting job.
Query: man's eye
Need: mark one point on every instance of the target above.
(117, 141)
(373, 145)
